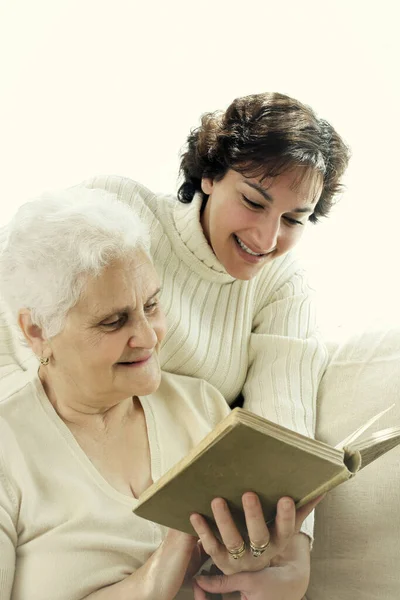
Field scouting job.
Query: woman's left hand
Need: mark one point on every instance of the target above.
(233, 555)
(286, 579)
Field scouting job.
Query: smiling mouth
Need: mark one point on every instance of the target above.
(246, 248)
(134, 362)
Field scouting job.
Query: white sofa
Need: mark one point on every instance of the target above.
(356, 553)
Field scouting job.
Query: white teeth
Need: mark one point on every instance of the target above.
(246, 249)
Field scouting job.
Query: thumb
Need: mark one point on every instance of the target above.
(221, 584)
(303, 512)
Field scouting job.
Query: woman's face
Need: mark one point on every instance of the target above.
(109, 346)
(249, 221)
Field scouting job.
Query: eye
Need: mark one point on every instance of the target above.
(151, 308)
(116, 323)
(291, 221)
(250, 204)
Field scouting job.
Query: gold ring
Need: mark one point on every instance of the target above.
(258, 550)
(238, 552)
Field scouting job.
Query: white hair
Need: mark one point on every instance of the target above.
(55, 242)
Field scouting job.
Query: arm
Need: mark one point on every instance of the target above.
(287, 359)
(287, 356)
(161, 576)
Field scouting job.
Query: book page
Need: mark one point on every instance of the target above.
(348, 441)
(376, 445)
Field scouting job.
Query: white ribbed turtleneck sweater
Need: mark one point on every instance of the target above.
(258, 337)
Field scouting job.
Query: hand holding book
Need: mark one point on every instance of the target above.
(260, 544)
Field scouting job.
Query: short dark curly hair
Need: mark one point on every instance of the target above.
(265, 135)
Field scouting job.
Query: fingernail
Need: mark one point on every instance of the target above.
(249, 500)
(287, 504)
(219, 504)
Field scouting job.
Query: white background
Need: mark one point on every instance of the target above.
(114, 86)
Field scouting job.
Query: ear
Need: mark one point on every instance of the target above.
(207, 185)
(33, 334)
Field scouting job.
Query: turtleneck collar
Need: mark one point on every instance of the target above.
(188, 225)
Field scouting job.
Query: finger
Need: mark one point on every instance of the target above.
(209, 542)
(256, 527)
(203, 554)
(303, 512)
(285, 522)
(230, 534)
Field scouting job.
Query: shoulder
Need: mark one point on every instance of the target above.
(15, 407)
(129, 191)
(284, 277)
(154, 209)
(123, 187)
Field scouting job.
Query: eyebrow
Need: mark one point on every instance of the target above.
(125, 309)
(259, 188)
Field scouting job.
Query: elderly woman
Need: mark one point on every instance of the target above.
(97, 424)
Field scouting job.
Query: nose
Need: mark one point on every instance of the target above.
(143, 334)
(268, 233)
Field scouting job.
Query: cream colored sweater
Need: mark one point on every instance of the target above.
(65, 532)
(257, 337)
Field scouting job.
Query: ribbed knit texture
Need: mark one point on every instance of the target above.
(65, 532)
(256, 337)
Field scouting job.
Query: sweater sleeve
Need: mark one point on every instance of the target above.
(287, 360)
(8, 533)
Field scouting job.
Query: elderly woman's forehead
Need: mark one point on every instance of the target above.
(123, 280)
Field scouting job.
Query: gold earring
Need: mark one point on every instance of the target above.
(44, 361)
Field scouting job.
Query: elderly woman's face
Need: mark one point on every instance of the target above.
(109, 345)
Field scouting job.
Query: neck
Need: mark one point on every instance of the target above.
(204, 219)
(76, 408)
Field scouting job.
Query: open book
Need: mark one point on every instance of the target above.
(246, 452)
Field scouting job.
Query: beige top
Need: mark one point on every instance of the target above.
(65, 532)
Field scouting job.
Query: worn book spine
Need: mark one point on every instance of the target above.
(344, 475)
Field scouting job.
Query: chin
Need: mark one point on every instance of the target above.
(149, 386)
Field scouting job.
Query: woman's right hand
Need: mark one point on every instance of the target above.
(270, 541)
